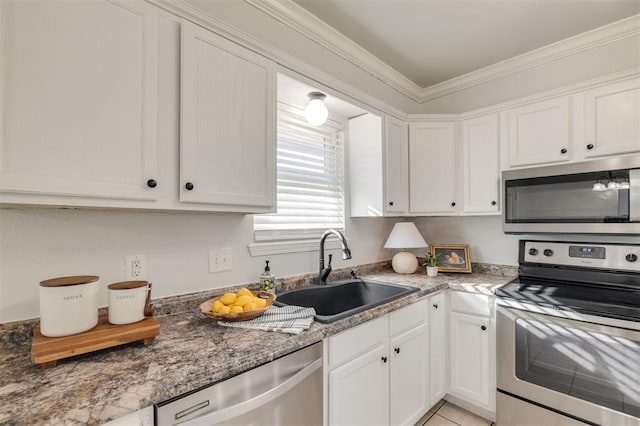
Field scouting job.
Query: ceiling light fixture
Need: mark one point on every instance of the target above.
(316, 112)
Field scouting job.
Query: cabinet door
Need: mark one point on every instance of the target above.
(409, 376)
(470, 358)
(480, 165)
(227, 123)
(365, 166)
(359, 390)
(80, 98)
(438, 348)
(539, 133)
(433, 168)
(396, 170)
(612, 119)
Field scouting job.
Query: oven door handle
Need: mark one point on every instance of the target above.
(259, 400)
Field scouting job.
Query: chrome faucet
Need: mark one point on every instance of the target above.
(346, 254)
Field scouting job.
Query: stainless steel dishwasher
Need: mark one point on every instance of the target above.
(286, 391)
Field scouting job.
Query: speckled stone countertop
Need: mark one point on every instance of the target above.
(191, 352)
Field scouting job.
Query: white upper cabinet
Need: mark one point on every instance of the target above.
(480, 165)
(378, 163)
(612, 119)
(539, 133)
(365, 165)
(79, 99)
(396, 166)
(433, 168)
(228, 101)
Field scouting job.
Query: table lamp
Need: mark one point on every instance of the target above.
(405, 235)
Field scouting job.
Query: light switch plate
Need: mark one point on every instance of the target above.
(220, 260)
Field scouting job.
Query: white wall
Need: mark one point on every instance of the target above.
(36, 244)
(487, 242)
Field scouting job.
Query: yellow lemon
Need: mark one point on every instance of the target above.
(228, 298)
(260, 303)
(243, 300)
(224, 309)
(250, 306)
(244, 292)
(236, 309)
(216, 306)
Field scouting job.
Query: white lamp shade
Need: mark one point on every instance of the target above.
(316, 112)
(405, 235)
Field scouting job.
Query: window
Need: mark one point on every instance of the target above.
(310, 179)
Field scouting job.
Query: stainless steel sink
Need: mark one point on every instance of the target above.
(343, 298)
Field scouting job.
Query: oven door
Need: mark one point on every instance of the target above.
(586, 370)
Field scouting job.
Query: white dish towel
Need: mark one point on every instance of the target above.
(288, 319)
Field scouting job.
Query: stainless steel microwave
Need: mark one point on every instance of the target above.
(594, 197)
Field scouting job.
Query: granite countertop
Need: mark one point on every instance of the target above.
(191, 352)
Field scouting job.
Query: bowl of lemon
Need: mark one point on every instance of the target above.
(239, 306)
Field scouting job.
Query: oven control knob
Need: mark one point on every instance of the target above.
(548, 252)
(533, 252)
(631, 257)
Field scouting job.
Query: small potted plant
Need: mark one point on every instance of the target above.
(431, 261)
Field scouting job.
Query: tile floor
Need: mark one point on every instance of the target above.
(446, 414)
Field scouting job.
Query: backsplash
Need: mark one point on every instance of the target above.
(19, 333)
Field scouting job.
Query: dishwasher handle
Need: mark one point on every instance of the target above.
(258, 400)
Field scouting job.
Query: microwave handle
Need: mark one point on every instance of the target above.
(634, 195)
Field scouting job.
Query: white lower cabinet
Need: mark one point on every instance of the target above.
(378, 372)
(473, 350)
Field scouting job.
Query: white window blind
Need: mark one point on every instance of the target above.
(310, 179)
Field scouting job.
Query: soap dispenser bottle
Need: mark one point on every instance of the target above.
(267, 280)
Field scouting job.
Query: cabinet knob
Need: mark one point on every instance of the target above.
(483, 328)
(151, 183)
(384, 359)
(590, 146)
(435, 306)
(453, 204)
(189, 186)
(391, 203)
(397, 350)
(563, 151)
(493, 203)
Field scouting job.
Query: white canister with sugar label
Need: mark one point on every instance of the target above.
(68, 305)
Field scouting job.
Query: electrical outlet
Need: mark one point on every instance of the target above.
(136, 267)
(220, 260)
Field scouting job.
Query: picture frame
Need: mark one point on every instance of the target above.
(452, 257)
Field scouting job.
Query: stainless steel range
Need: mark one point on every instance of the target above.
(568, 336)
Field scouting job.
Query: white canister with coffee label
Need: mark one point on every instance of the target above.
(127, 301)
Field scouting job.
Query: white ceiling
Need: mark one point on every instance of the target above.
(431, 41)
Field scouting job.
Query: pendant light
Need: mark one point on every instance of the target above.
(316, 112)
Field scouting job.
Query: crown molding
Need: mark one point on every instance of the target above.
(299, 19)
(287, 63)
(592, 39)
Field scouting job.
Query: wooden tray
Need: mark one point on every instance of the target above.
(46, 351)
(205, 308)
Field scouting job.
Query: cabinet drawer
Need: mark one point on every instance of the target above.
(470, 303)
(408, 317)
(358, 340)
